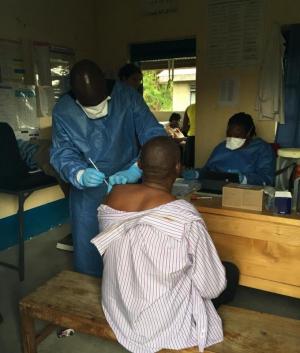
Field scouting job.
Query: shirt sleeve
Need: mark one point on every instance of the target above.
(207, 273)
(64, 155)
(146, 124)
(27, 150)
(265, 168)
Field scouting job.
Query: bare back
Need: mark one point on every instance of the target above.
(137, 197)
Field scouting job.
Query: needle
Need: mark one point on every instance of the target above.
(94, 165)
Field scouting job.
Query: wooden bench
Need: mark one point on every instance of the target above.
(72, 300)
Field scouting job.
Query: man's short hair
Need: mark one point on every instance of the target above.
(175, 116)
(159, 158)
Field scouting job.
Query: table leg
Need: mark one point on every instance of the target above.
(28, 333)
(21, 236)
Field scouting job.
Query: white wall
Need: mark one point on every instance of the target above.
(181, 96)
(127, 25)
(61, 22)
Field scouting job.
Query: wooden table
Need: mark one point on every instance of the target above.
(265, 247)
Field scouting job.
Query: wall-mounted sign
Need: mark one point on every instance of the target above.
(159, 7)
(234, 32)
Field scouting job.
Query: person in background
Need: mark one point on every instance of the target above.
(163, 279)
(189, 130)
(242, 152)
(36, 155)
(132, 76)
(96, 139)
(173, 128)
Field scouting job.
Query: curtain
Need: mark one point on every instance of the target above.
(288, 134)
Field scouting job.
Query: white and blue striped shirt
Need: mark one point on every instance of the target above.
(161, 271)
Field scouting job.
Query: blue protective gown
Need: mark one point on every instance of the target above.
(256, 161)
(113, 143)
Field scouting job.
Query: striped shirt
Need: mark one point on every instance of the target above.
(161, 271)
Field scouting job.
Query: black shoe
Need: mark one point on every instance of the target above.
(66, 243)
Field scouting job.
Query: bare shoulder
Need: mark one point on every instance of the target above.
(115, 191)
(119, 194)
(136, 197)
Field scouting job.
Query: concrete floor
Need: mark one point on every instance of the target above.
(43, 261)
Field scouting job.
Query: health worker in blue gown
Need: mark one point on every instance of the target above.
(89, 126)
(242, 152)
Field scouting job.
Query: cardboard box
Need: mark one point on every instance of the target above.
(248, 197)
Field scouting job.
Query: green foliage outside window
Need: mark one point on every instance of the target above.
(158, 96)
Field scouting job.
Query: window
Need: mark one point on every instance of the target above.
(61, 61)
(193, 92)
(172, 87)
(169, 70)
(52, 67)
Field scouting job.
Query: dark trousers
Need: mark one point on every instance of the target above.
(189, 152)
(232, 276)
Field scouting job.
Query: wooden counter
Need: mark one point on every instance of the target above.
(265, 247)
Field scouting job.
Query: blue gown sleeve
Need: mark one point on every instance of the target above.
(146, 124)
(64, 155)
(207, 166)
(200, 172)
(265, 168)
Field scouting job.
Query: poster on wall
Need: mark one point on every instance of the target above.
(158, 7)
(18, 106)
(8, 110)
(234, 32)
(33, 76)
(17, 100)
(229, 92)
(11, 61)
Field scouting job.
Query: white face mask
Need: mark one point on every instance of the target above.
(233, 143)
(96, 111)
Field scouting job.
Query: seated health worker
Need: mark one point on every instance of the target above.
(161, 269)
(96, 138)
(251, 157)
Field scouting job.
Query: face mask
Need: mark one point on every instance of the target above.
(96, 111)
(233, 143)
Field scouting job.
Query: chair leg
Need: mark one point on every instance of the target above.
(21, 200)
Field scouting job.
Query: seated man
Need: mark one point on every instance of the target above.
(36, 155)
(173, 129)
(242, 153)
(161, 269)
